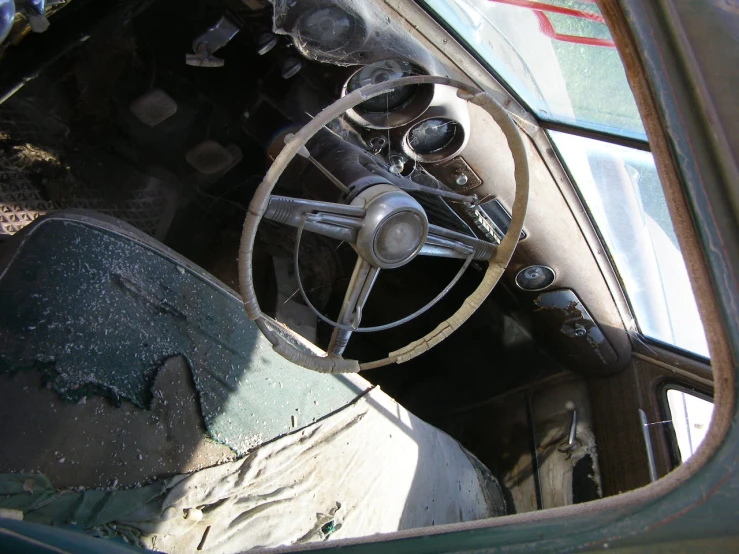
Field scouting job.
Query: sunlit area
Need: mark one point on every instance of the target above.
(621, 188)
(296, 274)
(691, 417)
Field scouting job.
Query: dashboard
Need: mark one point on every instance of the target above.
(428, 134)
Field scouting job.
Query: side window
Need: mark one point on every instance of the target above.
(691, 416)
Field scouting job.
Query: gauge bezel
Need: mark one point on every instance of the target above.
(401, 115)
(445, 105)
(355, 39)
(449, 150)
(549, 284)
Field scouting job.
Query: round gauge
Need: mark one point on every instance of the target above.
(381, 72)
(328, 29)
(394, 108)
(535, 278)
(432, 135)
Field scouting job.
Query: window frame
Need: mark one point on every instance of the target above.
(669, 427)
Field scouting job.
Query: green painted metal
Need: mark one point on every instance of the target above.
(700, 515)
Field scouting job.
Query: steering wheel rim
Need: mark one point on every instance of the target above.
(285, 341)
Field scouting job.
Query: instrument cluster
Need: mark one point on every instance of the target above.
(427, 123)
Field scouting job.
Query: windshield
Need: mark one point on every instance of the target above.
(557, 56)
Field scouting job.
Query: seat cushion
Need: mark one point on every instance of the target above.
(99, 307)
(372, 467)
(132, 379)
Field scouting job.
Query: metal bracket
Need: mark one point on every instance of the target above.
(215, 38)
(458, 175)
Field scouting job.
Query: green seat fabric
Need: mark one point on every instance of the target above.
(99, 306)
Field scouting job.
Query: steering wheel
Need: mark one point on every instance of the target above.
(387, 227)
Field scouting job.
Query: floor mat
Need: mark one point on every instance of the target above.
(42, 170)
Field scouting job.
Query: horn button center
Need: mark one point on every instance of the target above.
(395, 226)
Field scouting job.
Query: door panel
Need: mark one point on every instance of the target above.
(617, 399)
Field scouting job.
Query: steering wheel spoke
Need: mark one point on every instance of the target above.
(443, 243)
(336, 221)
(360, 285)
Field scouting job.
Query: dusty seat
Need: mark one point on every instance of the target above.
(131, 379)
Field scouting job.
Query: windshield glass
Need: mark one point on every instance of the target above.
(556, 55)
(624, 196)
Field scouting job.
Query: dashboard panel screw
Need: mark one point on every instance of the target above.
(461, 179)
(266, 43)
(290, 67)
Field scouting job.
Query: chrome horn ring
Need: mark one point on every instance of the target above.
(339, 220)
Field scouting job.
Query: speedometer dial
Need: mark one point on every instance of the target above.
(381, 72)
(432, 135)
